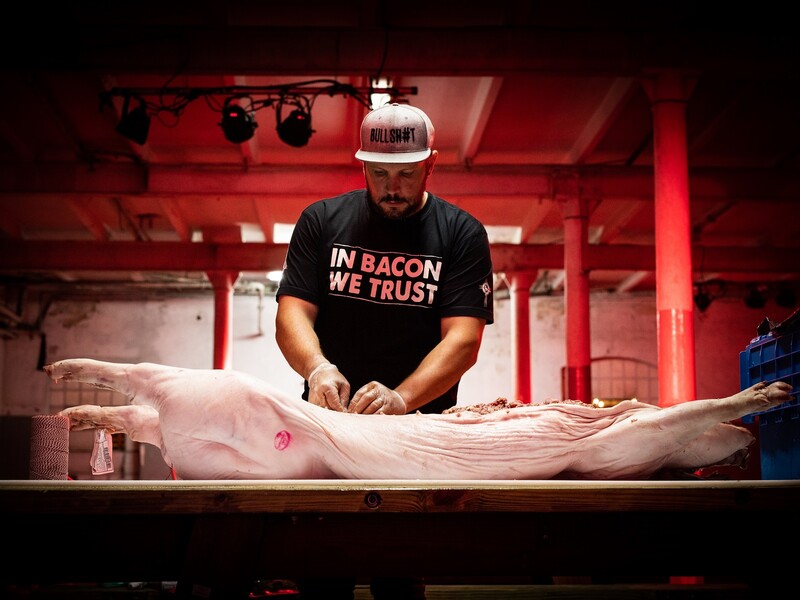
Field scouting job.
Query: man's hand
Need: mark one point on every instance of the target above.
(377, 399)
(328, 388)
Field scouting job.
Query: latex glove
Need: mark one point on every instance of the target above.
(375, 398)
(328, 388)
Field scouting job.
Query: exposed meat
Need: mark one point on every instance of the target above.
(221, 424)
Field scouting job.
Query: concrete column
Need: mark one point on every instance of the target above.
(669, 91)
(521, 283)
(223, 282)
(576, 300)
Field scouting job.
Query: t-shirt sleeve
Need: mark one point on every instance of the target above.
(301, 270)
(468, 286)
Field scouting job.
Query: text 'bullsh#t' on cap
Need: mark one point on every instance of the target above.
(395, 133)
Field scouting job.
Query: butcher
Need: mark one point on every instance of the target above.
(384, 297)
(225, 424)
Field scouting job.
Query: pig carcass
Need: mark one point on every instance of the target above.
(223, 424)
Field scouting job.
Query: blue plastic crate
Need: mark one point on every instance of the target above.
(779, 439)
(771, 358)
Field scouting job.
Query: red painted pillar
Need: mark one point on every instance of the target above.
(576, 298)
(223, 282)
(521, 283)
(669, 91)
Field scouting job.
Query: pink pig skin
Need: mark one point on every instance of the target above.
(222, 424)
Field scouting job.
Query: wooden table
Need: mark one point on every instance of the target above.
(215, 538)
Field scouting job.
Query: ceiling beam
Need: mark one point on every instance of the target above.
(597, 182)
(599, 123)
(182, 256)
(176, 218)
(616, 221)
(479, 114)
(85, 210)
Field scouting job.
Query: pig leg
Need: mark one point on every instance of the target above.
(140, 383)
(105, 375)
(140, 423)
(759, 397)
(691, 432)
(723, 444)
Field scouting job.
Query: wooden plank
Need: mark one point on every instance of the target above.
(189, 497)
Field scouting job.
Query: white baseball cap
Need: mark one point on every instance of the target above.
(395, 133)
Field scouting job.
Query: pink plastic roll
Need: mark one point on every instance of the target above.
(49, 447)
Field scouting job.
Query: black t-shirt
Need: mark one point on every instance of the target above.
(383, 285)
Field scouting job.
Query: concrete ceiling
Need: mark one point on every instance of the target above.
(532, 104)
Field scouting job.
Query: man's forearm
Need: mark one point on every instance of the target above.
(297, 340)
(437, 373)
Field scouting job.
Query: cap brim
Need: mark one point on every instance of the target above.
(393, 157)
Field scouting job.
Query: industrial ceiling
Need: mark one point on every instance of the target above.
(532, 104)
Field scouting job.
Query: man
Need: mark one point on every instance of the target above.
(386, 291)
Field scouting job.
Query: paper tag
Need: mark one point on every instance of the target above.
(102, 461)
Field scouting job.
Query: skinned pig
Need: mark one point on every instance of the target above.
(222, 424)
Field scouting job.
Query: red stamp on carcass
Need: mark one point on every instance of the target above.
(282, 439)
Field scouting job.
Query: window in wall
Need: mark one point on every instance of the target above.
(617, 378)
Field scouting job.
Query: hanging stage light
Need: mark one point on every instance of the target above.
(237, 124)
(702, 299)
(295, 129)
(134, 124)
(754, 298)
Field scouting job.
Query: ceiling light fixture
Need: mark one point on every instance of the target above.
(295, 129)
(134, 124)
(381, 93)
(754, 298)
(238, 124)
(702, 299)
(238, 121)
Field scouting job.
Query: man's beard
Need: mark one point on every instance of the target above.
(393, 206)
